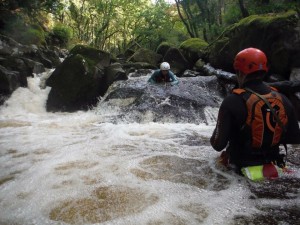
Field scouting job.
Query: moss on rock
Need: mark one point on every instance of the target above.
(79, 80)
(92, 55)
(193, 49)
(275, 34)
(146, 55)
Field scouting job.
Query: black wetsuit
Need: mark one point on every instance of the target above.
(232, 117)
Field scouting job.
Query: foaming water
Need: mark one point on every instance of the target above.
(62, 168)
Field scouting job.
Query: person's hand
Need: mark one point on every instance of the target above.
(174, 82)
(151, 81)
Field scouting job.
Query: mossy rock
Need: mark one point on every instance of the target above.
(79, 80)
(72, 84)
(163, 48)
(146, 55)
(128, 53)
(193, 49)
(275, 34)
(92, 55)
(177, 61)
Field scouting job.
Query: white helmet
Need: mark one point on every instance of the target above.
(165, 66)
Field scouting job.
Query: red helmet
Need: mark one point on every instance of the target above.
(250, 60)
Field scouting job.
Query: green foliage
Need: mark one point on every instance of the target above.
(193, 43)
(232, 15)
(31, 6)
(61, 33)
(259, 21)
(215, 30)
(158, 24)
(117, 25)
(277, 6)
(33, 36)
(17, 27)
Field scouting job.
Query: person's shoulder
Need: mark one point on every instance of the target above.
(232, 96)
(286, 101)
(155, 73)
(232, 100)
(171, 72)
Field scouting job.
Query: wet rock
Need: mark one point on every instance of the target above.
(115, 72)
(9, 81)
(106, 203)
(80, 80)
(181, 170)
(162, 102)
(281, 188)
(273, 215)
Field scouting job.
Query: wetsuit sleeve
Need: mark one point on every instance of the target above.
(152, 79)
(293, 132)
(173, 78)
(221, 134)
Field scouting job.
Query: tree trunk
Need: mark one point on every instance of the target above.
(183, 20)
(244, 11)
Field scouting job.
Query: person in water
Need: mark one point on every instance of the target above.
(163, 75)
(247, 144)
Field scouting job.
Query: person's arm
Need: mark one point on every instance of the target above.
(292, 135)
(173, 78)
(152, 79)
(221, 134)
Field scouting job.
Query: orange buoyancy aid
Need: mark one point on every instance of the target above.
(266, 128)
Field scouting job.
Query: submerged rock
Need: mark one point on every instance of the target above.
(181, 170)
(106, 203)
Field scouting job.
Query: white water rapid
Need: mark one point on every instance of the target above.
(76, 168)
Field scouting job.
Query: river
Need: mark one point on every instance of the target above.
(83, 168)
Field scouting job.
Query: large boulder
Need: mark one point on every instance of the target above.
(278, 35)
(10, 48)
(26, 67)
(9, 81)
(146, 55)
(193, 49)
(79, 81)
(20, 61)
(94, 56)
(177, 61)
(115, 72)
(136, 100)
(163, 48)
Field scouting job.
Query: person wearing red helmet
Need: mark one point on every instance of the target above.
(255, 119)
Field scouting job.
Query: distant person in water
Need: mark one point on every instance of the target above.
(163, 75)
